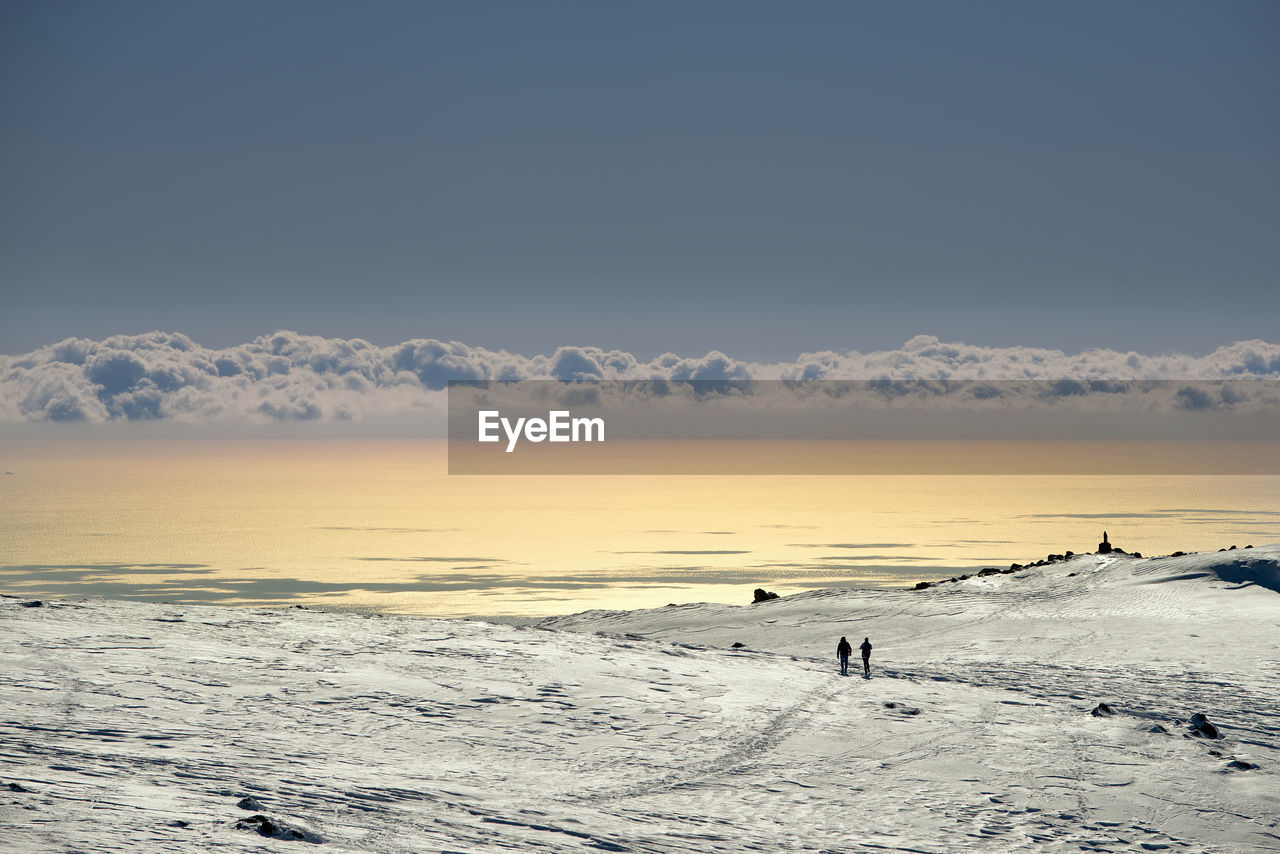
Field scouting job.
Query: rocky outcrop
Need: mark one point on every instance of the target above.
(1200, 726)
(264, 826)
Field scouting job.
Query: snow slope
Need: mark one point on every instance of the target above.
(140, 727)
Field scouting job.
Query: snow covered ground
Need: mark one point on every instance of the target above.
(142, 727)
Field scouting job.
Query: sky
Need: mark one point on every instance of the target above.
(762, 179)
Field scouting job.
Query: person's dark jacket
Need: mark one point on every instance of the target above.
(843, 648)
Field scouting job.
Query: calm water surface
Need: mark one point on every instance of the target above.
(381, 525)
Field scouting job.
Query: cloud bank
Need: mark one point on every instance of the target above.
(291, 377)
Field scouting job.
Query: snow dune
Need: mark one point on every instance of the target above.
(142, 727)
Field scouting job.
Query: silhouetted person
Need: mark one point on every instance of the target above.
(843, 650)
(866, 657)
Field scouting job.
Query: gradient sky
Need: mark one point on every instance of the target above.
(760, 178)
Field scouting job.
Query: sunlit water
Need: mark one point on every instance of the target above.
(381, 525)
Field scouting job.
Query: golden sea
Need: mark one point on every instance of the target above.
(381, 525)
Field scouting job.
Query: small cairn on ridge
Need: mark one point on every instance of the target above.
(1104, 548)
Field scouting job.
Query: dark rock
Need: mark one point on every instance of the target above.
(1118, 550)
(1233, 548)
(1102, 710)
(1159, 729)
(259, 823)
(902, 710)
(1069, 554)
(14, 787)
(923, 585)
(264, 826)
(34, 603)
(1135, 554)
(1072, 574)
(953, 579)
(1222, 550)
(1055, 558)
(762, 595)
(1178, 554)
(738, 645)
(249, 804)
(990, 570)
(179, 823)
(964, 578)
(1249, 547)
(1014, 567)
(1104, 547)
(1200, 726)
(1241, 765)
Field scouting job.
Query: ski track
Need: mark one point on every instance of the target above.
(138, 727)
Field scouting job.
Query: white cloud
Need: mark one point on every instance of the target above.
(288, 376)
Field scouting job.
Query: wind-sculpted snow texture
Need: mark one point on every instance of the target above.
(140, 727)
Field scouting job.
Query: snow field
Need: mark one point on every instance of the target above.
(140, 727)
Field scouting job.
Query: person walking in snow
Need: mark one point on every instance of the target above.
(866, 657)
(843, 651)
